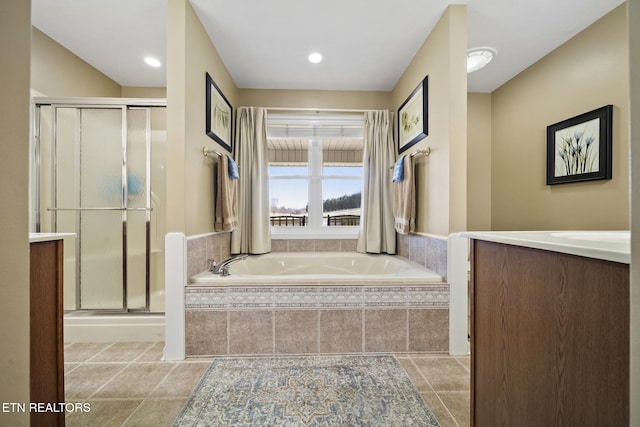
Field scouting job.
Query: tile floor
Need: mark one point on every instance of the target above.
(127, 384)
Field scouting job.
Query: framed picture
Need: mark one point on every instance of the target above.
(579, 148)
(413, 117)
(219, 115)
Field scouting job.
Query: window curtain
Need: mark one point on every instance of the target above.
(377, 233)
(253, 234)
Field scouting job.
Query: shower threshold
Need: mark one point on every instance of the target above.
(100, 312)
(113, 326)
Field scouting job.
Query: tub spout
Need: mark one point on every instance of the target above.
(223, 268)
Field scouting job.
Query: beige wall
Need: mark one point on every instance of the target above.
(479, 161)
(15, 40)
(143, 92)
(587, 72)
(315, 99)
(189, 174)
(441, 178)
(56, 72)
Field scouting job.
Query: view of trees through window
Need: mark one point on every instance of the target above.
(315, 183)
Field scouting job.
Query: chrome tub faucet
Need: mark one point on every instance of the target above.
(223, 268)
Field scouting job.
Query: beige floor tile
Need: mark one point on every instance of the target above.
(103, 413)
(83, 351)
(444, 373)
(156, 413)
(153, 353)
(442, 414)
(137, 380)
(465, 360)
(458, 403)
(85, 380)
(415, 376)
(122, 352)
(181, 381)
(68, 367)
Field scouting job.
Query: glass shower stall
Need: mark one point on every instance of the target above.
(98, 171)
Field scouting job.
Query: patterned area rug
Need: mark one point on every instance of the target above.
(306, 391)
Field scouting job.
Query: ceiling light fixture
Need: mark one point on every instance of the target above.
(479, 57)
(315, 58)
(152, 61)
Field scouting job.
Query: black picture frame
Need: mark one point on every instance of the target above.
(580, 148)
(413, 117)
(219, 119)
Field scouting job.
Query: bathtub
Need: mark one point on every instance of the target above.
(317, 303)
(312, 268)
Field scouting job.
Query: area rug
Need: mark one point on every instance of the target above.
(309, 391)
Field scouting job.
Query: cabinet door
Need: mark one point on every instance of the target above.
(550, 338)
(46, 352)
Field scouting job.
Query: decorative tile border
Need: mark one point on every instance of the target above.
(316, 297)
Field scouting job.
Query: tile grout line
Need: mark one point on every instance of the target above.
(132, 412)
(101, 351)
(435, 392)
(175, 366)
(125, 365)
(151, 344)
(148, 396)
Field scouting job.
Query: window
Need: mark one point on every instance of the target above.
(315, 185)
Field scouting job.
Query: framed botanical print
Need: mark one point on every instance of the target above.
(219, 118)
(413, 117)
(579, 148)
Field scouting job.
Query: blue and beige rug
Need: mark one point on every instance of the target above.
(309, 391)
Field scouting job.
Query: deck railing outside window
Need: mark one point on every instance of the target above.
(302, 221)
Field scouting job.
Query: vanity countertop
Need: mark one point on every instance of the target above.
(607, 245)
(45, 237)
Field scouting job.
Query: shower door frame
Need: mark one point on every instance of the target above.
(124, 105)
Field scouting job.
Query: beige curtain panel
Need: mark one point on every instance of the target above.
(377, 233)
(253, 234)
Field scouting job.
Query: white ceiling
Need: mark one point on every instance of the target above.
(366, 44)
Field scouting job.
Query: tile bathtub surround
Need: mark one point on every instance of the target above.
(426, 250)
(317, 296)
(273, 332)
(316, 319)
(313, 245)
(203, 247)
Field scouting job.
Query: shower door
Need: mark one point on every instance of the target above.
(95, 178)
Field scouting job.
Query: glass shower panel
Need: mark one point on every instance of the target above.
(100, 236)
(138, 146)
(101, 175)
(158, 206)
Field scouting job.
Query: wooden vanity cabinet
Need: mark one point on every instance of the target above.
(549, 338)
(46, 325)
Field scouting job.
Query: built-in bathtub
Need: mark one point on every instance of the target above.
(317, 303)
(308, 268)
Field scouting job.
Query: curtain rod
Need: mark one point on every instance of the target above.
(319, 110)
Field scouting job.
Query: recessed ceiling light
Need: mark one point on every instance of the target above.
(315, 58)
(152, 61)
(479, 57)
